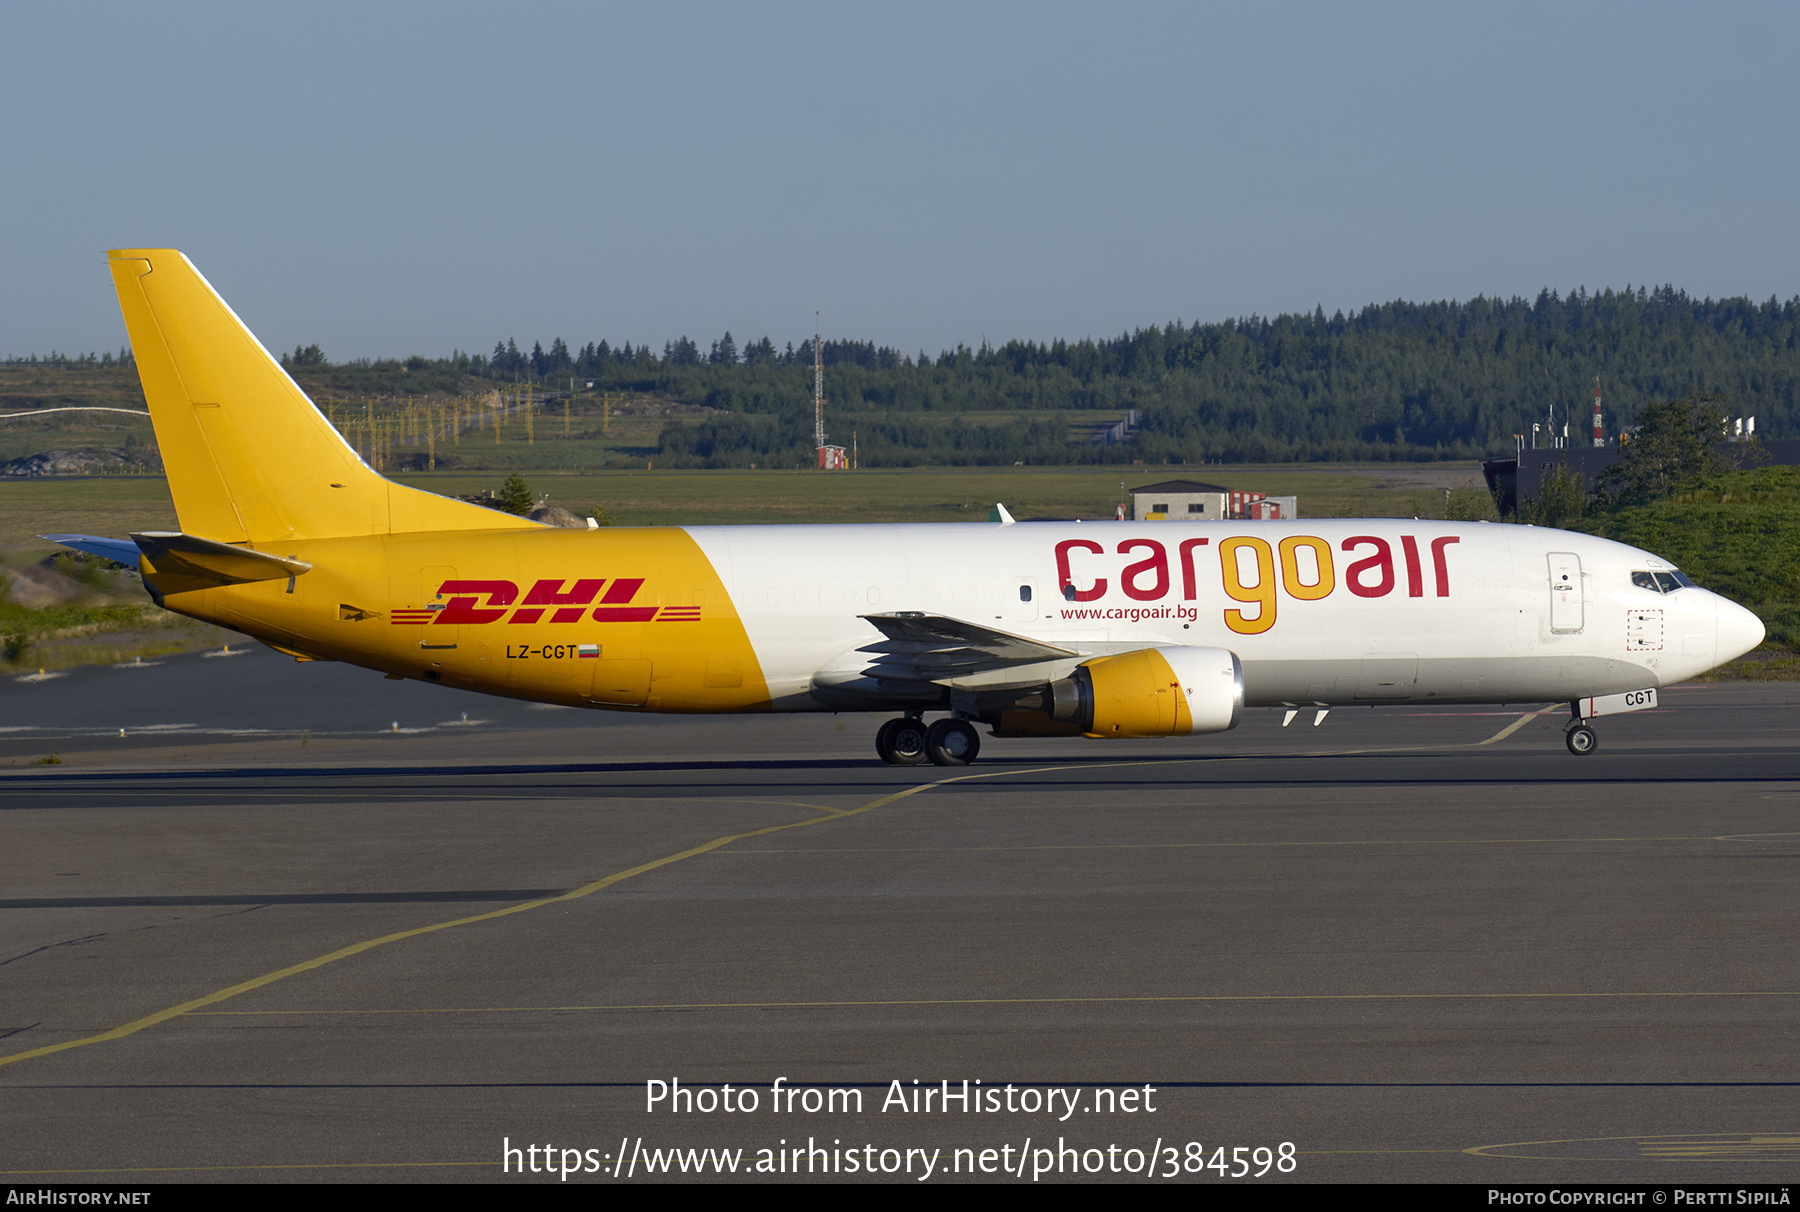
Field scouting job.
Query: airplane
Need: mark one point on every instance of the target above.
(1098, 629)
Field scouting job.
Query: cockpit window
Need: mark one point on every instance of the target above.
(1660, 582)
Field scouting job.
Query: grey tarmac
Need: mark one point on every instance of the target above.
(299, 923)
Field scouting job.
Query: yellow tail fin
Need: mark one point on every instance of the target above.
(249, 458)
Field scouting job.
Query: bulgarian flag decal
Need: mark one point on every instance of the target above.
(588, 650)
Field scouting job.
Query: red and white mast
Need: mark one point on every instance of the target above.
(1599, 439)
(818, 395)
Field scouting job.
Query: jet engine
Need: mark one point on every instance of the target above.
(1151, 692)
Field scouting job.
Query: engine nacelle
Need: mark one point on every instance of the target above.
(1173, 691)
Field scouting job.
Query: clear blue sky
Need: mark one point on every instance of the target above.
(386, 179)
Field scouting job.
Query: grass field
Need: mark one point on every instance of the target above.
(112, 506)
(117, 505)
(958, 494)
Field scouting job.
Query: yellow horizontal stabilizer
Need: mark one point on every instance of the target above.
(166, 554)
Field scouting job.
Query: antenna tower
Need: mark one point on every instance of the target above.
(831, 458)
(818, 391)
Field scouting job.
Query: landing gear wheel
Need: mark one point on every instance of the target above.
(952, 743)
(1581, 740)
(901, 742)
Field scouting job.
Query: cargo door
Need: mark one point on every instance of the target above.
(1566, 614)
(416, 608)
(620, 683)
(440, 635)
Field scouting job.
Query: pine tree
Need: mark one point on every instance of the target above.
(1676, 441)
(515, 495)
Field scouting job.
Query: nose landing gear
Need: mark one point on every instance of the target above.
(908, 742)
(1580, 738)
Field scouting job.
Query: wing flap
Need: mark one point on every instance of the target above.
(933, 648)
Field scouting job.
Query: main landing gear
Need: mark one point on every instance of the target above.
(908, 742)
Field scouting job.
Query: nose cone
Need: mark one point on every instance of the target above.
(1739, 630)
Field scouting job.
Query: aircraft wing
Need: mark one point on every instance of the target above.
(919, 647)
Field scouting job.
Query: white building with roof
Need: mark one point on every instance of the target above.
(1192, 501)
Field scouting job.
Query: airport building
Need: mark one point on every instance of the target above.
(1191, 501)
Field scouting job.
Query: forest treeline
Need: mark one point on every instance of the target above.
(1394, 381)
(1401, 381)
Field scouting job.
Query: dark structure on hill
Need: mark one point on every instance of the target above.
(1516, 480)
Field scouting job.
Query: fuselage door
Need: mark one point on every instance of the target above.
(1565, 593)
(1025, 606)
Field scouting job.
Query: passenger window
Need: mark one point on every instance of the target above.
(1024, 593)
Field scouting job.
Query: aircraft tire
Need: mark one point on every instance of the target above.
(953, 743)
(1581, 740)
(901, 742)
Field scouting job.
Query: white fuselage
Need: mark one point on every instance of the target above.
(1361, 610)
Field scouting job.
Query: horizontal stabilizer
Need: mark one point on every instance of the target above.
(120, 551)
(191, 558)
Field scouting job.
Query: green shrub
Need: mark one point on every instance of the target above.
(1737, 533)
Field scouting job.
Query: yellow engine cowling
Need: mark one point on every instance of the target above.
(1151, 692)
(1165, 692)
